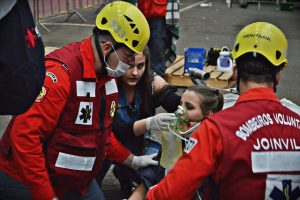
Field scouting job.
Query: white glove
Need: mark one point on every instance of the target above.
(160, 121)
(143, 161)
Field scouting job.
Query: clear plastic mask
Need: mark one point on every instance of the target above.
(180, 126)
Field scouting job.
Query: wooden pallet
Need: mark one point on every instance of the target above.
(176, 77)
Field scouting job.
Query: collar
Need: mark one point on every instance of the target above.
(88, 59)
(136, 101)
(258, 94)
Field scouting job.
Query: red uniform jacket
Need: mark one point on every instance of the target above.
(62, 136)
(153, 8)
(238, 160)
(261, 150)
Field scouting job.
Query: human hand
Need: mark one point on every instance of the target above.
(159, 121)
(143, 161)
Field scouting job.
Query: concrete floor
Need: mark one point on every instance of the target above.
(206, 27)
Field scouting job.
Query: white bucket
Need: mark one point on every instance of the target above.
(224, 62)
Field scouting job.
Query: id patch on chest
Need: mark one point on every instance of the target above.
(85, 113)
(85, 89)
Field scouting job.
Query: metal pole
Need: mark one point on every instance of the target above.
(72, 12)
(51, 7)
(34, 10)
(38, 17)
(43, 7)
(58, 6)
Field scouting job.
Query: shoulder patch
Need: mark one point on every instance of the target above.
(52, 76)
(190, 144)
(112, 109)
(40, 98)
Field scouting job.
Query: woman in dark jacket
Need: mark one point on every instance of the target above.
(140, 93)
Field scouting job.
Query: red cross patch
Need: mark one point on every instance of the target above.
(31, 37)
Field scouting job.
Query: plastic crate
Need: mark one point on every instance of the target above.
(194, 58)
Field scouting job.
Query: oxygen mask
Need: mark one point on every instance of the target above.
(181, 126)
(179, 129)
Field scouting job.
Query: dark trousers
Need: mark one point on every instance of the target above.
(157, 44)
(11, 189)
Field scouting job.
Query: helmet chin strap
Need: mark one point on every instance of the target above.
(100, 54)
(99, 51)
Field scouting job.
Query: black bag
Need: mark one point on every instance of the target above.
(22, 67)
(212, 56)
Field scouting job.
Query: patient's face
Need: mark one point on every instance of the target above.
(191, 101)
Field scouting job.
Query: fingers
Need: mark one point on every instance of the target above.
(168, 115)
(153, 162)
(153, 155)
(150, 159)
(164, 125)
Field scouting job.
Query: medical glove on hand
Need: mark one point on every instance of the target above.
(143, 161)
(160, 121)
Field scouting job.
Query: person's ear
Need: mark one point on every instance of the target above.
(278, 77)
(106, 47)
(234, 76)
(210, 112)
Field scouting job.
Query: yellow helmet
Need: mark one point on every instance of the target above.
(263, 38)
(126, 24)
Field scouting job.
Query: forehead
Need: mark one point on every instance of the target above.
(139, 57)
(191, 97)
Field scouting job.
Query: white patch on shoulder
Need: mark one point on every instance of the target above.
(111, 87)
(190, 144)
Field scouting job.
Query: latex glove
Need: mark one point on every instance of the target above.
(160, 121)
(143, 161)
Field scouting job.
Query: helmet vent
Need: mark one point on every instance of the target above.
(135, 43)
(136, 31)
(128, 18)
(278, 54)
(103, 21)
(237, 46)
(255, 46)
(132, 25)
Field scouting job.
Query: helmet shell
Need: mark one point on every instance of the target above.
(263, 38)
(126, 24)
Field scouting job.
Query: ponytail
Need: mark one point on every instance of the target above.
(211, 99)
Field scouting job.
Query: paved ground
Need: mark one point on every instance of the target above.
(205, 27)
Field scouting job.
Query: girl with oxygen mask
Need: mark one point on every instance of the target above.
(196, 103)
